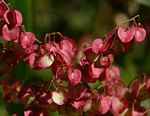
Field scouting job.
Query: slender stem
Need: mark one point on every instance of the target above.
(24, 30)
(146, 111)
(138, 91)
(38, 41)
(103, 85)
(132, 19)
(47, 37)
(7, 5)
(57, 33)
(51, 82)
(96, 58)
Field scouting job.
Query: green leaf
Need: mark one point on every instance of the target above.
(94, 85)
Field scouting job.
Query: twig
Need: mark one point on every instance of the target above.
(132, 19)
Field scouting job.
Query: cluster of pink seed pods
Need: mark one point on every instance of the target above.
(76, 66)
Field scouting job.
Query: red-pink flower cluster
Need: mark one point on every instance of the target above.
(78, 67)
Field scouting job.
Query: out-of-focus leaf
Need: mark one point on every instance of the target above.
(19, 72)
(54, 113)
(3, 111)
(144, 2)
(44, 74)
(14, 108)
(146, 103)
(147, 64)
(129, 72)
(94, 85)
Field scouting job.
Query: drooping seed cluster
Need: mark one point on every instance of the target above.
(76, 66)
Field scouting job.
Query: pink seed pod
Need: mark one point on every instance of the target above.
(10, 34)
(3, 9)
(27, 39)
(97, 45)
(140, 34)
(104, 61)
(45, 61)
(105, 103)
(126, 35)
(74, 76)
(60, 96)
(13, 17)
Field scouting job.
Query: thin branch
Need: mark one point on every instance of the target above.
(132, 19)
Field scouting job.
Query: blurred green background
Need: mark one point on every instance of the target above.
(77, 18)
